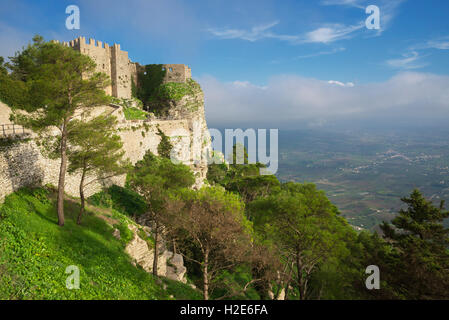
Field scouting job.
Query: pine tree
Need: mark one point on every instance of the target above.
(164, 147)
(96, 150)
(60, 83)
(154, 178)
(421, 243)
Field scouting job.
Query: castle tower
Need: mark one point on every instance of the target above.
(112, 61)
(177, 73)
(115, 63)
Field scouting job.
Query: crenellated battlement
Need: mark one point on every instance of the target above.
(116, 64)
(110, 60)
(82, 42)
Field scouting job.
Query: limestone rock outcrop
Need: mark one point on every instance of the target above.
(170, 265)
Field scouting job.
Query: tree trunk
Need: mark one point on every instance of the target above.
(206, 275)
(62, 172)
(299, 280)
(305, 283)
(302, 291)
(82, 196)
(287, 288)
(156, 249)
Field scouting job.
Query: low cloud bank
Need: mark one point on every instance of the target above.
(291, 102)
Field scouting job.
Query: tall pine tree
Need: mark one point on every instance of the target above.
(59, 83)
(422, 250)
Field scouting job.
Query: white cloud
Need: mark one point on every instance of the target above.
(388, 9)
(255, 33)
(289, 101)
(408, 61)
(247, 84)
(321, 53)
(350, 3)
(440, 44)
(331, 33)
(341, 84)
(325, 34)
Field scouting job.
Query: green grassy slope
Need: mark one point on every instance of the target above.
(35, 252)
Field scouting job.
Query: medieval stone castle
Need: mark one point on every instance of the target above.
(116, 64)
(23, 164)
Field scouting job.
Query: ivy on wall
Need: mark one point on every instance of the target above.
(167, 93)
(175, 91)
(149, 80)
(158, 96)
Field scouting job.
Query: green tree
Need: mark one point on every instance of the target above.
(371, 249)
(12, 92)
(304, 227)
(342, 275)
(239, 155)
(252, 187)
(154, 178)
(164, 147)
(95, 150)
(421, 250)
(216, 173)
(243, 178)
(214, 221)
(3, 70)
(60, 83)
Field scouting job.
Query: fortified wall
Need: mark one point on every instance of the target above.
(116, 64)
(176, 73)
(110, 60)
(22, 164)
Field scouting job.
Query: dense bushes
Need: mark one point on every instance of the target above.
(12, 92)
(174, 91)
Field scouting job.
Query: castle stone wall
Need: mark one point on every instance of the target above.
(23, 164)
(177, 73)
(121, 74)
(99, 54)
(116, 64)
(110, 60)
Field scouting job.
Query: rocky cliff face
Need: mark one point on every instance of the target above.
(170, 265)
(183, 120)
(191, 108)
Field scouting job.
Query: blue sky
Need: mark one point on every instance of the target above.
(241, 51)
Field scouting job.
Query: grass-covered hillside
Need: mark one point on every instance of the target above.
(35, 252)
